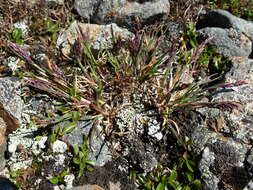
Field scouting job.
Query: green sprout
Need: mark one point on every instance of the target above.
(183, 176)
(60, 178)
(81, 157)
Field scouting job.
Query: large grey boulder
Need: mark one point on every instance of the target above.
(232, 35)
(224, 19)
(122, 11)
(228, 42)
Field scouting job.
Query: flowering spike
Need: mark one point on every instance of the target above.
(199, 50)
(17, 49)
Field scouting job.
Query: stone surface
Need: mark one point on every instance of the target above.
(173, 30)
(87, 187)
(112, 186)
(10, 111)
(232, 35)
(2, 142)
(228, 42)
(99, 35)
(109, 177)
(141, 153)
(122, 12)
(100, 153)
(227, 157)
(224, 19)
(6, 184)
(10, 102)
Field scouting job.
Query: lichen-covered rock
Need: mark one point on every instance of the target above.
(173, 29)
(232, 35)
(6, 184)
(10, 111)
(228, 42)
(100, 153)
(59, 146)
(86, 187)
(227, 156)
(109, 177)
(2, 142)
(122, 11)
(227, 165)
(100, 36)
(10, 102)
(224, 19)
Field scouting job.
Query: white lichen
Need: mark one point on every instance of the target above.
(59, 146)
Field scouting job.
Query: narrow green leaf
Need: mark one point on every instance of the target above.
(69, 128)
(76, 116)
(160, 186)
(189, 166)
(90, 162)
(54, 180)
(66, 116)
(76, 161)
(76, 149)
(186, 187)
(196, 183)
(173, 176)
(64, 173)
(189, 176)
(53, 138)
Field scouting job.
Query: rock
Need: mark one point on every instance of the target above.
(210, 181)
(10, 102)
(10, 111)
(110, 176)
(226, 159)
(224, 19)
(2, 142)
(239, 120)
(69, 179)
(100, 153)
(141, 153)
(6, 184)
(233, 35)
(112, 186)
(226, 165)
(122, 12)
(87, 187)
(99, 35)
(228, 42)
(173, 30)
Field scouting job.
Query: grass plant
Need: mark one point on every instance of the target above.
(100, 81)
(95, 85)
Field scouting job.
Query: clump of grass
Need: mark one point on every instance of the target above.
(133, 67)
(136, 71)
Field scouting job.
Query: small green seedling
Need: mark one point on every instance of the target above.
(17, 36)
(60, 178)
(81, 157)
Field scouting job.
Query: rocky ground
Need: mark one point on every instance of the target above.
(215, 145)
